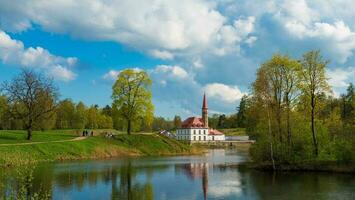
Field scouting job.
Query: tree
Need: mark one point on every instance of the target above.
(80, 116)
(241, 112)
(132, 97)
(348, 99)
(107, 110)
(221, 121)
(31, 97)
(65, 114)
(313, 84)
(92, 117)
(177, 121)
(3, 111)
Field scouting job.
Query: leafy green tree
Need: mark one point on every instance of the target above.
(132, 97)
(65, 114)
(80, 117)
(92, 117)
(107, 110)
(3, 111)
(313, 84)
(222, 121)
(177, 121)
(241, 112)
(31, 97)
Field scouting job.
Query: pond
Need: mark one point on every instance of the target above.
(177, 178)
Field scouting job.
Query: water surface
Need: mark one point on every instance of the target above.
(180, 178)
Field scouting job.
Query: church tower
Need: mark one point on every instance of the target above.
(204, 111)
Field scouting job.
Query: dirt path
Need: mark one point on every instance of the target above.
(57, 141)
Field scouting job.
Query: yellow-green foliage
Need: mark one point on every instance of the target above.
(233, 131)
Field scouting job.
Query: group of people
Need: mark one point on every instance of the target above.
(109, 135)
(86, 133)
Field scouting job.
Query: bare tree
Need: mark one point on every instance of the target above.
(32, 97)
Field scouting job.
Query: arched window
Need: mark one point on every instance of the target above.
(204, 138)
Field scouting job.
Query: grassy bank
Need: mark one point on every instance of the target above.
(233, 131)
(90, 148)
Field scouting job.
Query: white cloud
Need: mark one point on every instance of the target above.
(112, 74)
(304, 22)
(164, 55)
(13, 52)
(340, 77)
(161, 28)
(197, 63)
(225, 93)
(171, 71)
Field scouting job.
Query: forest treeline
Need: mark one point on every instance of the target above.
(294, 115)
(72, 115)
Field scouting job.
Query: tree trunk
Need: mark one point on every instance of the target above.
(129, 127)
(288, 125)
(271, 138)
(315, 143)
(29, 133)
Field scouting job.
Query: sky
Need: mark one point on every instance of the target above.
(188, 47)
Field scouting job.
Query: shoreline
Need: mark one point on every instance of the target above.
(329, 167)
(94, 148)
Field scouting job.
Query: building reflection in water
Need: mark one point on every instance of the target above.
(197, 171)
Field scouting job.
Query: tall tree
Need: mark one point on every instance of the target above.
(3, 110)
(132, 97)
(314, 84)
(177, 121)
(31, 97)
(65, 114)
(276, 86)
(348, 99)
(241, 112)
(80, 117)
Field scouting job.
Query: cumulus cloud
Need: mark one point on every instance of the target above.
(13, 52)
(160, 28)
(164, 55)
(302, 21)
(111, 75)
(173, 72)
(340, 77)
(225, 93)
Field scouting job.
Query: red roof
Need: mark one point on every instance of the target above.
(215, 132)
(193, 122)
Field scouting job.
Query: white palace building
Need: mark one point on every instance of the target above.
(196, 129)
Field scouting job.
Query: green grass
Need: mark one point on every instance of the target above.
(233, 131)
(89, 148)
(19, 136)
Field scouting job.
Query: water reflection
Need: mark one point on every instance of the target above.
(184, 177)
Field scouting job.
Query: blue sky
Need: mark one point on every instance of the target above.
(187, 46)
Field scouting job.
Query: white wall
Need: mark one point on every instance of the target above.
(193, 134)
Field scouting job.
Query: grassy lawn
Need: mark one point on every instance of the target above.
(233, 131)
(19, 136)
(89, 148)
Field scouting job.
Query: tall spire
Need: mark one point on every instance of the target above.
(205, 111)
(204, 103)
